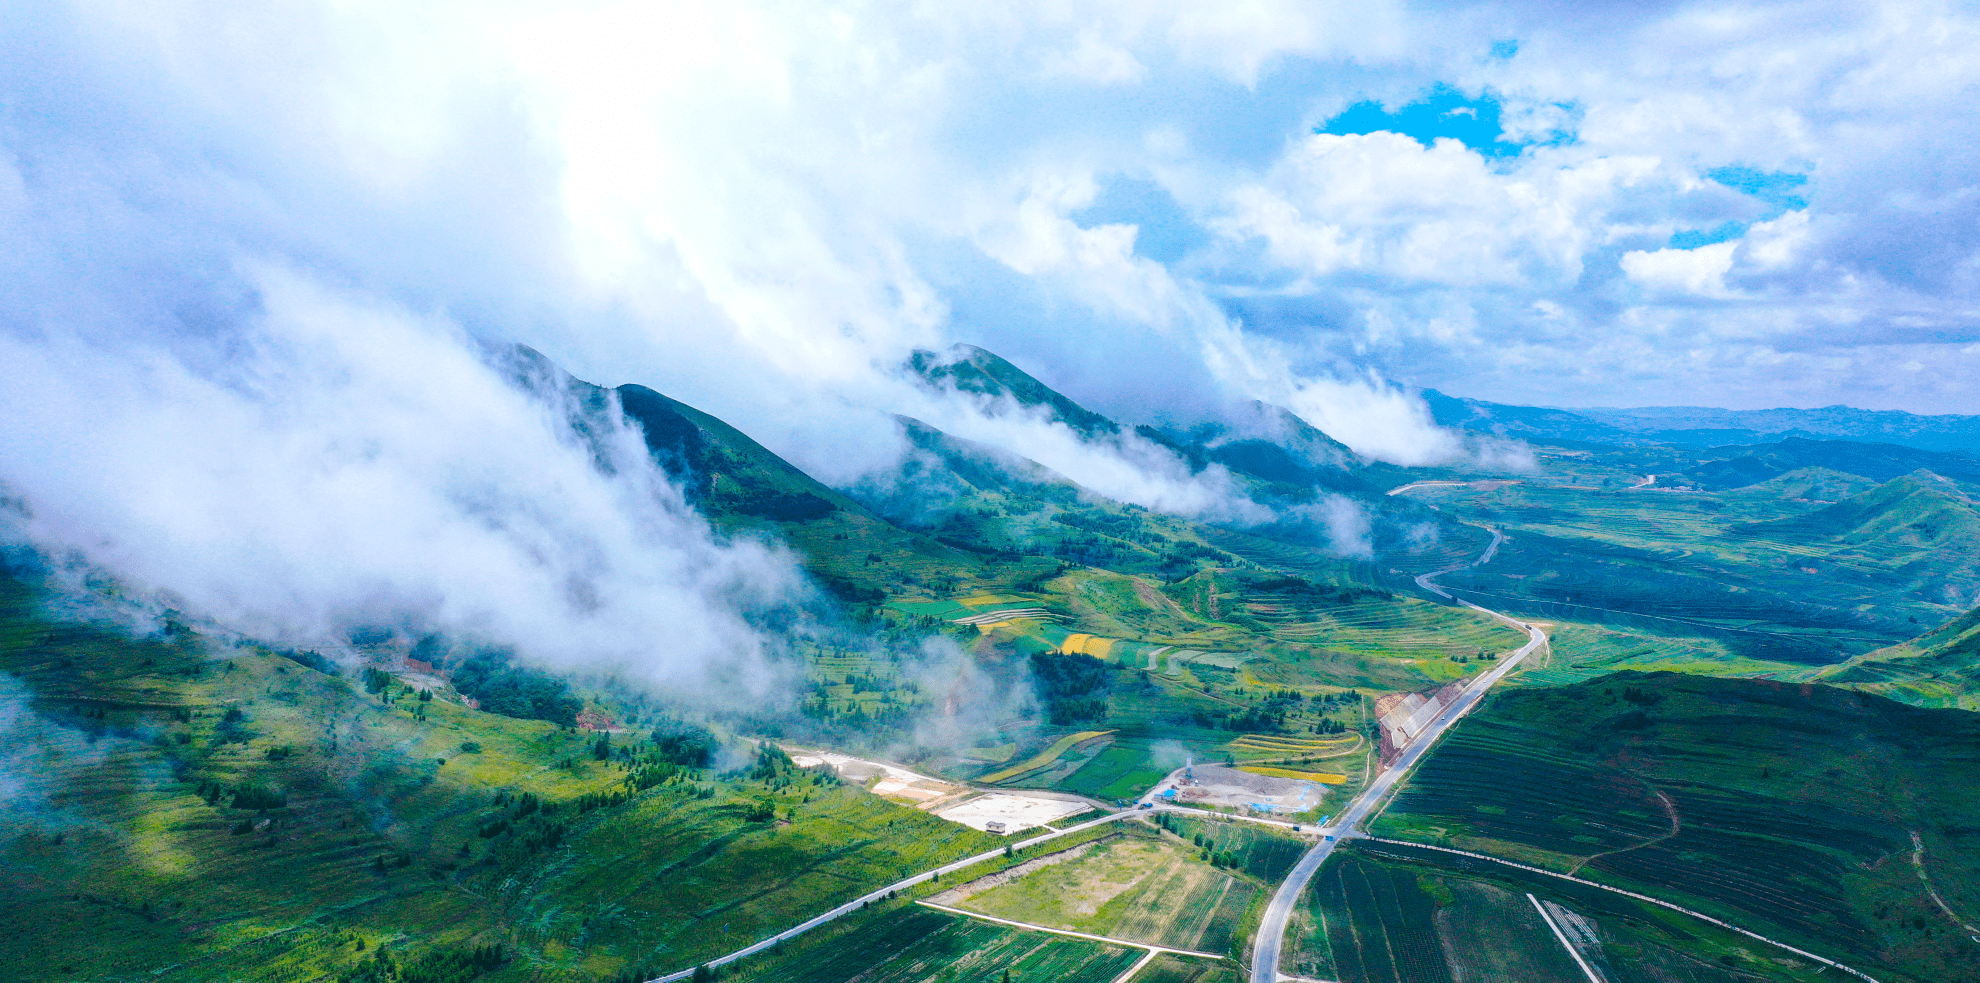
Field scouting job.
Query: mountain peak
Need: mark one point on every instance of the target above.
(976, 370)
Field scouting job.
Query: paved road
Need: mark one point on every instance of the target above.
(1661, 903)
(881, 893)
(1272, 929)
(1281, 902)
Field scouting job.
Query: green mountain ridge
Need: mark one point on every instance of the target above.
(1704, 426)
(970, 369)
(209, 809)
(1700, 428)
(1277, 459)
(1939, 668)
(1809, 484)
(1919, 509)
(1736, 467)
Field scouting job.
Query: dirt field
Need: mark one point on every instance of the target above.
(1017, 811)
(891, 781)
(1220, 786)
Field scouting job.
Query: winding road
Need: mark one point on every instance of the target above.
(1271, 934)
(1272, 928)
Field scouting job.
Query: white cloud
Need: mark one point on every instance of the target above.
(761, 207)
(1375, 419)
(1700, 271)
(354, 465)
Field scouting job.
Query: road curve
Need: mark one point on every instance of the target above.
(1272, 928)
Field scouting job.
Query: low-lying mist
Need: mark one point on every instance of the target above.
(351, 465)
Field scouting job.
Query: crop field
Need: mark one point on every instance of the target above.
(1263, 852)
(1127, 768)
(1137, 887)
(1394, 915)
(1043, 759)
(247, 816)
(1323, 777)
(1783, 808)
(1179, 969)
(920, 945)
(1380, 925)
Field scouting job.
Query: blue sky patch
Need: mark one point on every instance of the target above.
(1446, 112)
(1772, 187)
(1693, 238)
(1504, 50)
(1165, 234)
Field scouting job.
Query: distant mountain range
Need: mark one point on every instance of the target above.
(1699, 427)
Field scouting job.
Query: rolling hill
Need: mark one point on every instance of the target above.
(1805, 812)
(1701, 428)
(1737, 467)
(1275, 458)
(1917, 532)
(1938, 668)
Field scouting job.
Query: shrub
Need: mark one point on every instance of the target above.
(516, 691)
(259, 797)
(686, 745)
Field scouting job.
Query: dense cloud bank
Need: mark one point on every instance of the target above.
(245, 251)
(355, 466)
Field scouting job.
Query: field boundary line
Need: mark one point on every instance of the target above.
(881, 893)
(1586, 970)
(1680, 909)
(1677, 826)
(1153, 948)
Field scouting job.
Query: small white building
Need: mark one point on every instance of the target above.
(994, 826)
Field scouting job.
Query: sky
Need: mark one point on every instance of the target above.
(238, 239)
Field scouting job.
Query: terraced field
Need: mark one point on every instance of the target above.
(1043, 759)
(1783, 808)
(919, 945)
(1261, 748)
(249, 817)
(1381, 914)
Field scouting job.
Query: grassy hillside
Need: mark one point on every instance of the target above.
(1921, 533)
(181, 811)
(1765, 575)
(1940, 668)
(970, 369)
(1811, 484)
(1384, 912)
(1787, 809)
